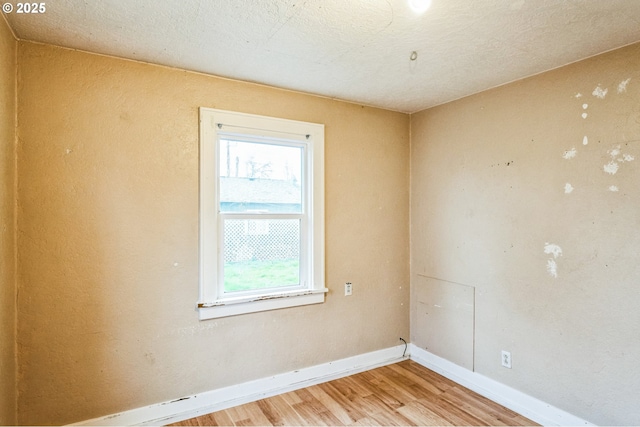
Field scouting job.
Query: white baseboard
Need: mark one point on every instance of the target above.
(530, 407)
(226, 397)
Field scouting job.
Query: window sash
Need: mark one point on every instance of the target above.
(304, 257)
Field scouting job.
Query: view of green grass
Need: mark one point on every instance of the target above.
(250, 275)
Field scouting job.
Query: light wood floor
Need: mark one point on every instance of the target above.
(405, 393)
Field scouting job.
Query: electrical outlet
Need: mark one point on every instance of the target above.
(348, 289)
(506, 359)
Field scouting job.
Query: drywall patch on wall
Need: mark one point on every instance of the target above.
(570, 154)
(553, 249)
(444, 317)
(552, 268)
(568, 188)
(584, 107)
(614, 152)
(556, 251)
(598, 92)
(622, 87)
(611, 168)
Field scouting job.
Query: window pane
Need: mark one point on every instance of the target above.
(257, 177)
(261, 253)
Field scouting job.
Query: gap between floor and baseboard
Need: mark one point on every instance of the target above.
(227, 397)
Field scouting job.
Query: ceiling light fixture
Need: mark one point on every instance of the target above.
(419, 6)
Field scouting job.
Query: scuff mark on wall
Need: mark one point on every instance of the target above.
(598, 92)
(570, 154)
(622, 87)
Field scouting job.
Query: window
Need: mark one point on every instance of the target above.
(261, 213)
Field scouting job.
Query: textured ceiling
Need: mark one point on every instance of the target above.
(355, 50)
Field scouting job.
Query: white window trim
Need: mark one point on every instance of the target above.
(211, 304)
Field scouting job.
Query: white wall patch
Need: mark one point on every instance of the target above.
(611, 168)
(578, 95)
(585, 140)
(570, 154)
(556, 251)
(584, 115)
(614, 188)
(614, 152)
(627, 158)
(622, 87)
(568, 188)
(585, 106)
(551, 248)
(598, 92)
(552, 268)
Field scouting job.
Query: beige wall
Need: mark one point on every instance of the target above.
(8, 47)
(108, 238)
(488, 194)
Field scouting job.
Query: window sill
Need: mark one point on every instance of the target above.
(236, 306)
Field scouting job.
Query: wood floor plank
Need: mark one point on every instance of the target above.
(219, 418)
(420, 415)
(449, 412)
(392, 418)
(286, 415)
(345, 416)
(472, 403)
(405, 393)
(423, 380)
(352, 409)
(387, 388)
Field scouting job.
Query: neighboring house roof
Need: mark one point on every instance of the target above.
(257, 190)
